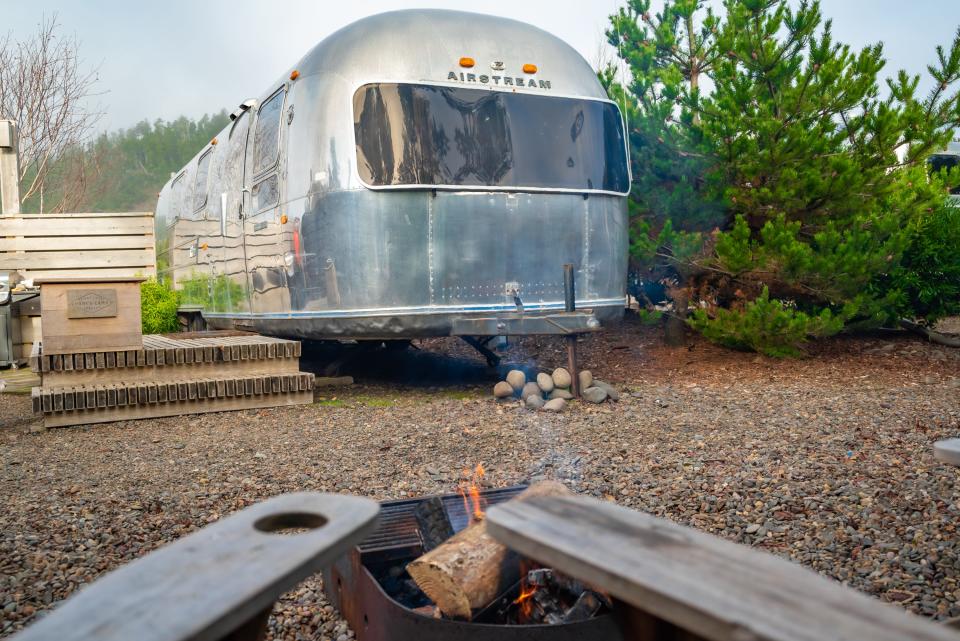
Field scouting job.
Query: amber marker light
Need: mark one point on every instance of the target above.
(529, 68)
(204, 247)
(467, 62)
(294, 74)
(213, 142)
(283, 219)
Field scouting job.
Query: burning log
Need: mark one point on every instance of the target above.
(470, 569)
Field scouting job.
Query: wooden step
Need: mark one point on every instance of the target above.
(161, 350)
(166, 359)
(118, 401)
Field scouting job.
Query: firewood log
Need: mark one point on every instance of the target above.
(471, 569)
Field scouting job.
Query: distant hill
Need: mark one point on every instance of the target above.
(124, 170)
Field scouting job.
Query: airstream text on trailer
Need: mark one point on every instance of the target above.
(418, 173)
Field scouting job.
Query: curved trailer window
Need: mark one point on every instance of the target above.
(425, 135)
(939, 162)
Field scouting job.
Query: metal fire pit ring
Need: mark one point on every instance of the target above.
(374, 615)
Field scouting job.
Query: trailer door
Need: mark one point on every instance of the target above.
(232, 259)
(266, 276)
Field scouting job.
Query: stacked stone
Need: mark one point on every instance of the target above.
(550, 392)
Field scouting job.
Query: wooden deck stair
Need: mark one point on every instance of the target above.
(171, 375)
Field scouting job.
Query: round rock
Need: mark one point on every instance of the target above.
(585, 377)
(611, 391)
(554, 405)
(561, 377)
(502, 390)
(517, 379)
(545, 381)
(594, 394)
(530, 389)
(561, 394)
(535, 401)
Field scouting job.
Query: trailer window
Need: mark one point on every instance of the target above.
(266, 193)
(423, 135)
(177, 204)
(939, 162)
(266, 142)
(200, 184)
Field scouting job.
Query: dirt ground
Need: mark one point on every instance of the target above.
(825, 460)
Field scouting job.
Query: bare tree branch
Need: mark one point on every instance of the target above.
(45, 89)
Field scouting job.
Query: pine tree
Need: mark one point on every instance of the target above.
(815, 177)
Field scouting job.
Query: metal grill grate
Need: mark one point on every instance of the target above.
(397, 528)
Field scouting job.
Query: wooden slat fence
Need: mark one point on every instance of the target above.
(78, 245)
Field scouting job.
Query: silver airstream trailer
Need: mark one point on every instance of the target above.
(417, 173)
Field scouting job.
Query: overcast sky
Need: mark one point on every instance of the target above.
(161, 59)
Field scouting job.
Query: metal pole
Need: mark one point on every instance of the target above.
(9, 169)
(570, 305)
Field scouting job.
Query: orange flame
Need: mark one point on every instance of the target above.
(526, 592)
(475, 504)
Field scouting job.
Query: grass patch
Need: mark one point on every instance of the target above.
(373, 401)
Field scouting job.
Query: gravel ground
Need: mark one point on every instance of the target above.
(826, 461)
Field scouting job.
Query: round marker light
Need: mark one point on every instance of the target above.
(294, 74)
(283, 219)
(529, 68)
(467, 62)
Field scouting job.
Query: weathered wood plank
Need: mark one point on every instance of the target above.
(92, 259)
(713, 588)
(178, 594)
(58, 225)
(93, 273)
(52, 243)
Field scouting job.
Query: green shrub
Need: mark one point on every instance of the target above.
(928, 278)
(218, 294)
(158, 308)
(649, 316)
(770, 327)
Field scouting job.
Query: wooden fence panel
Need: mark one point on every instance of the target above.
(78, 245)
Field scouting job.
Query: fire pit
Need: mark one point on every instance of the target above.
(373, 591)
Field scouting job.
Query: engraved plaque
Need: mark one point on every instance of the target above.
(91, 303)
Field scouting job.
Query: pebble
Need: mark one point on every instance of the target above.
(585, 377)
(555, 405)
(561, 378)
(594, 394)
(535, 401)
(545, 381)
(502, 390)
(516, 379)
(530, 389)
(611, 391)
